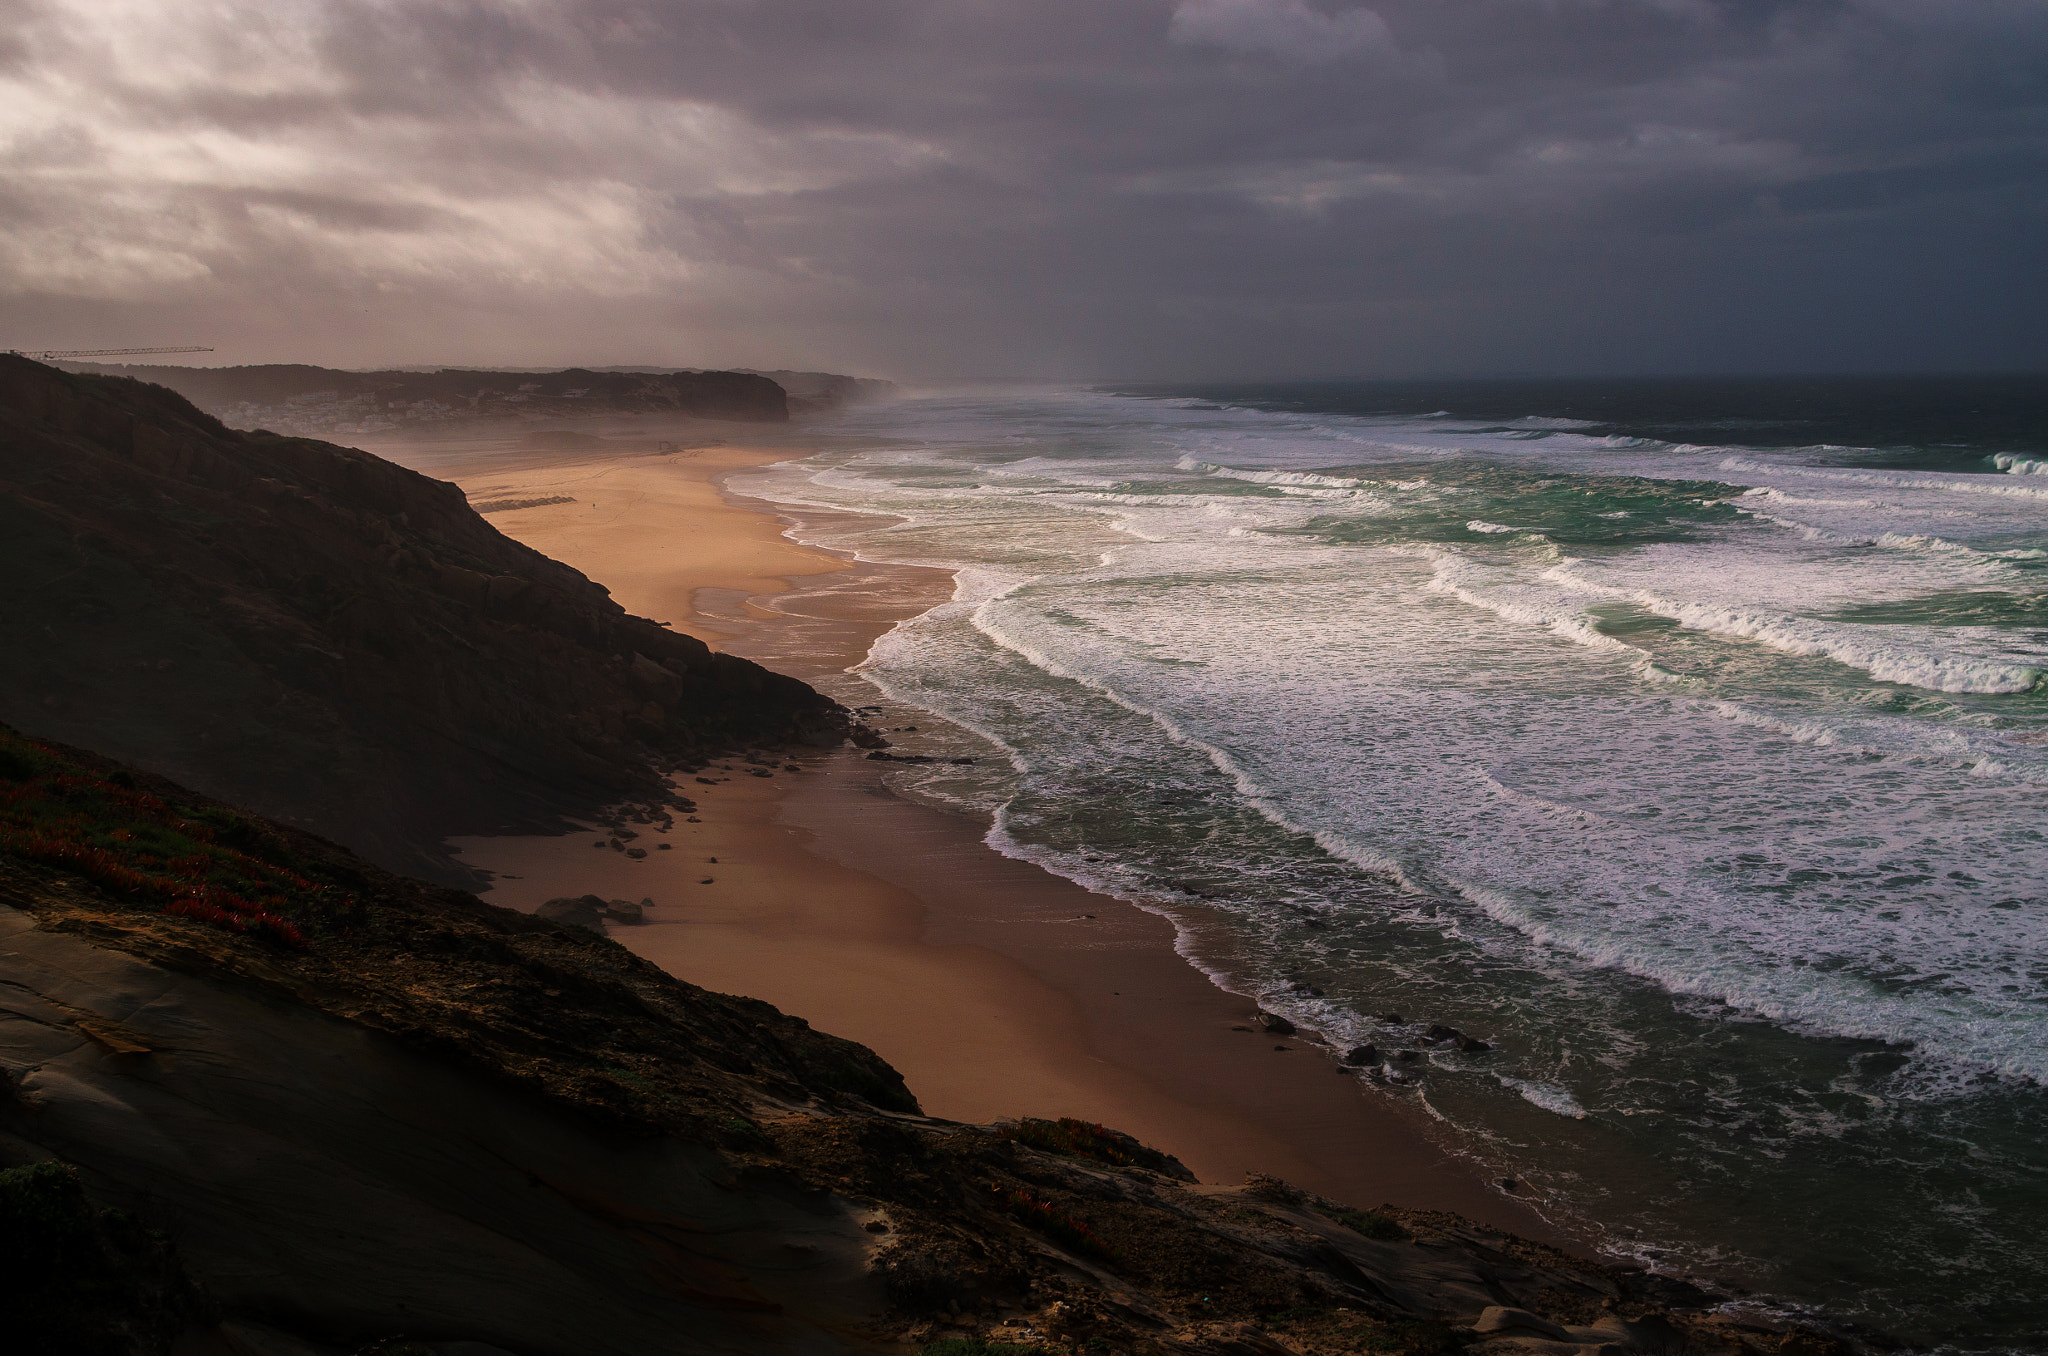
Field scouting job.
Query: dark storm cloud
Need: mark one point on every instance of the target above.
(950, 188)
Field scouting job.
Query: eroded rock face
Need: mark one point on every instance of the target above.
(328, 638)
(345, 1187)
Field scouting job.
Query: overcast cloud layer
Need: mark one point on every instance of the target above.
(1023, 188)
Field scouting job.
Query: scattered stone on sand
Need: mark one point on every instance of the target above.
(663, 847)
(624, 911)
(706, 881)
(636, 852)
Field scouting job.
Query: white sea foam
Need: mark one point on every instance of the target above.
(1942, 484)
(1189, 463)
(1916, 655)
(1408, 710)
(1549, 1096)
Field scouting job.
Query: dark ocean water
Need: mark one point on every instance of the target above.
(1685, 739)
(1949, 423)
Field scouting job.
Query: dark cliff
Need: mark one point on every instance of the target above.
(329, 638)
(341, 1113)
(295, 398)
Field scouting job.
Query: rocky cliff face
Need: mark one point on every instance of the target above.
(823, 392)
(329, 638)
(323, 401)
(343, 1112)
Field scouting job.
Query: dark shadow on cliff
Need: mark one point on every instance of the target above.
(329, 638)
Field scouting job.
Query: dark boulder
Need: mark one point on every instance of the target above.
(585, 911)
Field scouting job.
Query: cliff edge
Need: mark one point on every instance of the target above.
(261, 1098)
(328, 638)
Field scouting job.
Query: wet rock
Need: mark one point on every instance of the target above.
(1473, 1045)
(624, 911)
(1393, 1019)
(1362, 1054)
(1273, 1024)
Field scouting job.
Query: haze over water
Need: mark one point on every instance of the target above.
(1686, 741)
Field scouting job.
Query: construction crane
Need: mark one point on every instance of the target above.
(51, 354)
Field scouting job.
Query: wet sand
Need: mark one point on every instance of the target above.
(997, 988)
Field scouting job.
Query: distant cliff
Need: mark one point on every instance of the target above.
(294, 398)
(328, 638)
(820, 392)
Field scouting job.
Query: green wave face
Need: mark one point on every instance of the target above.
(1440, 499)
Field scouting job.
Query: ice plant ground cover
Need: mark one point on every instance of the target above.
(207, 863)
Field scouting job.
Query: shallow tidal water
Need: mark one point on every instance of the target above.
(1686, 741)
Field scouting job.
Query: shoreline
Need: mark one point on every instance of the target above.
(996, 987)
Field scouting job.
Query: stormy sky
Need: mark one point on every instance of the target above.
(964, 189)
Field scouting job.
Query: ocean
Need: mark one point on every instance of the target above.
(1685, 741)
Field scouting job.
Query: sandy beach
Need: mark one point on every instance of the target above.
(996, 988)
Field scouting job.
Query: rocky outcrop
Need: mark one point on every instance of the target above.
(392, 1118)
(329, 638)
(322, 401)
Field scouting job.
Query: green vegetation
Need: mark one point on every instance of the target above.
(210, 864)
